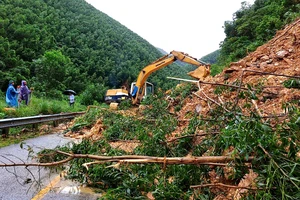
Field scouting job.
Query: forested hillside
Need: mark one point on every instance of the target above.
(56, 45)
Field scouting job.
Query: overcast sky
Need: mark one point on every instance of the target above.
(191, 26)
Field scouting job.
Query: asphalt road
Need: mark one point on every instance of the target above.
(21, 183)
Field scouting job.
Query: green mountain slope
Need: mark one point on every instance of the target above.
(69, 44)
(56, 45)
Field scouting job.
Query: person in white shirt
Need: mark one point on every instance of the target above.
(71, 99)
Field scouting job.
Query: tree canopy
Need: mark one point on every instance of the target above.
(69, 44)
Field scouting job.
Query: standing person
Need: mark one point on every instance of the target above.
(18, 95)
(71, 99)
(24, 92)
(11, 95)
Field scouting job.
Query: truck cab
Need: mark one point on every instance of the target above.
(116, 95)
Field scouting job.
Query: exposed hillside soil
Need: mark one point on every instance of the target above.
(270, 65)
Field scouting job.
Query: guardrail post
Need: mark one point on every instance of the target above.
(55, 123)
(35, 126)
(5, 132)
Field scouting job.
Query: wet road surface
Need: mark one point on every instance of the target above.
(21, 183)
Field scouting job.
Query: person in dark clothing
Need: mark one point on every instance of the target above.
(24, 92)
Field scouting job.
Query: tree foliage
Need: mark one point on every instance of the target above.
(272, 145)
(69, 44)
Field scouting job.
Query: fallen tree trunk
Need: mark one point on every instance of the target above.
(133, 159)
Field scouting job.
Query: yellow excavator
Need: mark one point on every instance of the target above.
(142, 88)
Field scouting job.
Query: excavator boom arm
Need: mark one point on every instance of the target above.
(138, 90)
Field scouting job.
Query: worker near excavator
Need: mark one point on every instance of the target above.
(11, 95)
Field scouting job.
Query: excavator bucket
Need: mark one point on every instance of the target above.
(200, 73)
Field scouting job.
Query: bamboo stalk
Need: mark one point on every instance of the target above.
(282, 171)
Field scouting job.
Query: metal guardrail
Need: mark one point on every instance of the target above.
(21, 121)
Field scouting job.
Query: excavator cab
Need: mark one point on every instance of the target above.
(149, 89)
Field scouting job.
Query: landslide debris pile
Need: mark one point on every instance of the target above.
(264, 70)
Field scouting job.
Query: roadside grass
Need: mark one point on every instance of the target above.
(37, 106)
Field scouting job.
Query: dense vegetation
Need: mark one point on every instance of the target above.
(274, 150)
(56, 45)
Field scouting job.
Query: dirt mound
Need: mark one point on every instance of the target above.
(265, 69)
(262, 74)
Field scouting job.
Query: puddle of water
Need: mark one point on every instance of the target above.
(75, 190)
(69, 187)
(70, 190)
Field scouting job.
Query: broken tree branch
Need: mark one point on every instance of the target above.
(133, 159)
(195, 135)
(224, 185)
(238, 91)
(235, 86)
(269, 73)
(256, 107)
(210, 99)
(37, 164)
(286, 30)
